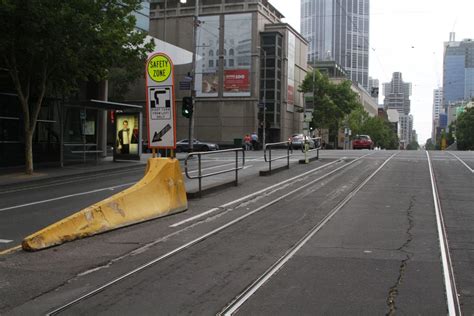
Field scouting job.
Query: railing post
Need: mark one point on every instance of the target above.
(270, 160)
(288, 155)
(236, 167)
(199, 174)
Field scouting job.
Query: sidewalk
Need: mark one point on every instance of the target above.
(15, 177)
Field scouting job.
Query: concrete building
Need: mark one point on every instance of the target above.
(338, 30)
(373, 89)
(234, 40)
(406, 129)
(437, 109)
(397, 97)
(458, 70)
(397, 94)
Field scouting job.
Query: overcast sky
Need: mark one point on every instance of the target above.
(408, 36)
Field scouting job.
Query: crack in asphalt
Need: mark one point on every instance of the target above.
(393, 291)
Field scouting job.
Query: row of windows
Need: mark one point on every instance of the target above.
(231, 63)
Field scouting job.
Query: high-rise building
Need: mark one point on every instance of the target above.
(338, 30)
(373, 89)
(397, 97)
(437, 109)
(458, 70)
(397, 94)
(247, 72)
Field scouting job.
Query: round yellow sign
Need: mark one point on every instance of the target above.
(159, 68)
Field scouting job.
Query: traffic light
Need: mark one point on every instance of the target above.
(187, 108)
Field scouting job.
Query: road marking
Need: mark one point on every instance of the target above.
(10, 250)
(257, 284)
(65, 197)
(5, 241)
(448, 273)
(465, 164)
(76, 179)
(212, 210)
(190, 243)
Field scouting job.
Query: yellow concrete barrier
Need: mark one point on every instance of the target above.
(161, 192)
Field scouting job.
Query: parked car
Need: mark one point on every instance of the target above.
(297, 141)
(362, 142)
(183, 145)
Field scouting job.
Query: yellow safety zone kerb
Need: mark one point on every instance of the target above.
(160, 192)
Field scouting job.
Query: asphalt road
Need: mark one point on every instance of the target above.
(354, 233)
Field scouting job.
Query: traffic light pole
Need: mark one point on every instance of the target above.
(193, 81)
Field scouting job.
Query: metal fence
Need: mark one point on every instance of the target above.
(200, 175)
(269, 159)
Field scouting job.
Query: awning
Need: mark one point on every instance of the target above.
(106, 105)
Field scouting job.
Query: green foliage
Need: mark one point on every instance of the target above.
(377, 128)
(332, 102)
(357, 119)
(49, 46)
(429, 144)
(413, 146)
(465, 130)
(450, 135)
(69, 41)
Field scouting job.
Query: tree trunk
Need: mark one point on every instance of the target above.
(28, 151)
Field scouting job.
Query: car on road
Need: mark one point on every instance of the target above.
(297, 141)
(183, 146)
(362, 142)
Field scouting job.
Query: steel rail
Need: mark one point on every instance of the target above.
(452, 296)
(240, 299)
(193, 242)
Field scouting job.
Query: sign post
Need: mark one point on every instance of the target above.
(161, 108)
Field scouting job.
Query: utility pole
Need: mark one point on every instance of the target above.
(193, 74)
(264, 94)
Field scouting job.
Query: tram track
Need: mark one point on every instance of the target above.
(452, 295)
(197, 221)
(242, 297)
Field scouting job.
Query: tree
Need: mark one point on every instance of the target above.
(413, 145)
(332, 102)
(379, 130)
(48, 46)
(465, 130)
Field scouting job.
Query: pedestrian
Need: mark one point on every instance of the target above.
(247, 142)
(254, 138)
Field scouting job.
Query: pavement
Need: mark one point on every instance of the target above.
(15, 176)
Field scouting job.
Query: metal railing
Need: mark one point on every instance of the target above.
(317, 147)
(270, 159)
(200, 175)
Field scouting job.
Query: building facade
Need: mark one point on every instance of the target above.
(338, 30)
(437, 110)
(458, 71)
(245, 59)
(397, 97)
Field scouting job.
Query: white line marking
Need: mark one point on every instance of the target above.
(465, 164)
(65, 197)
(77, 179)
(246, 197)
(448, 273)
(259, 192)
(5, 241)
(249, 291)
(191, 243)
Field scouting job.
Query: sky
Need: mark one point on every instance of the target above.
(408, 36)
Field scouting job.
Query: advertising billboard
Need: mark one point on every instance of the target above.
(237, 54)
(207, 61)
(127, 135)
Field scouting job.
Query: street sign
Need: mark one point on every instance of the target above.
(161, 108)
